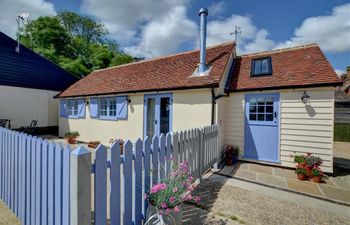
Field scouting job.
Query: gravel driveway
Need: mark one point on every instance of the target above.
(229, 204)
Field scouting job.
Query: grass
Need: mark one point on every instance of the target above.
(342, 132)
(234, 218)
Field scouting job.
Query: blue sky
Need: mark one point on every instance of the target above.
(152, 28)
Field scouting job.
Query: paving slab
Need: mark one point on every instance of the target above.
(245, 174)
(261, 169)
(336, 193)
(271, 180)
(304, 187)
(284, 172)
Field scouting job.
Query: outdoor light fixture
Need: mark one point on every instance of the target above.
(305, 97)
(87, 102)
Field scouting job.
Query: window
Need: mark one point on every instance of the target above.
(108, 108)
(261, 109)
(261, 66)
(72, 108)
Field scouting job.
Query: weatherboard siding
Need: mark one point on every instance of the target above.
(303, 128)
(22, 105)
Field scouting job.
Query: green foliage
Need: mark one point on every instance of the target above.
(301, 170)
(342, 132)
(71, 134)
(316, 172)
(77, 43)
(300, 159)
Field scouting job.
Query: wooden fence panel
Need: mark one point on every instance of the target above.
(101, 185)
(115, 184)
(127, 170)
(138, 182)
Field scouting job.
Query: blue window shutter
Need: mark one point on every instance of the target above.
(81, 108)
(122, 107)
(93, 107)
(63, 108)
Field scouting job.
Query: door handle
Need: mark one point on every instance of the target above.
(155, 122)
(275, 114)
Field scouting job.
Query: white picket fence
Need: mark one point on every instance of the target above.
(47, 183)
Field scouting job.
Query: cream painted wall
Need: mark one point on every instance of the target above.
(303, 128)
(22, 105)
(190, 109)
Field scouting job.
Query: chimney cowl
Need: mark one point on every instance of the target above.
(203, 10)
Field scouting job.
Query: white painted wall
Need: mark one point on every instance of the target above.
(22, 105)
(190, 109)
(303, 128)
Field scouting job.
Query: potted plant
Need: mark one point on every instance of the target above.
(229, 155)
(71, 136)
(165, 198)
(301, 172)
(121, 143)
(317, 174)
(235, 155)
(308, 162)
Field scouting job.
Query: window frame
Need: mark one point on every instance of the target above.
(108, 109)
(269, 67)
(75, 114)
(275, 109)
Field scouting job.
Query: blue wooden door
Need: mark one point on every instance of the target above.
(261, 135)
(157, 114)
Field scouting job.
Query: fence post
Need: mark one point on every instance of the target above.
(80, 189)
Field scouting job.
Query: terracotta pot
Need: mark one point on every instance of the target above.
(71, 140)
(317, 179)
(170, 217)
(309, 173)
(301, 176)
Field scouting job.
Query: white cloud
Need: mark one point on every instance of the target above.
(10, 8)
(331, 32)
(125, 18)
(165, 34)
(339, 72)
(251, 38)
(216, 8)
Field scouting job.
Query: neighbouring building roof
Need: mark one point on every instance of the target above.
(164, 73)
(291, 68)
(341, 96)
(30, 70)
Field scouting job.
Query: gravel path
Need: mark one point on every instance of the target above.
(239, 206)
(6, 216)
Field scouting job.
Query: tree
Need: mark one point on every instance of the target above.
(76, 43)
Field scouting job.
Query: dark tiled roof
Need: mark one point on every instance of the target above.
(292, 67)
(30, 70)
(165, 73)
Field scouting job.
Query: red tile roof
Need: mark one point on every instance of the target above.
(165, 73)
(292, 67)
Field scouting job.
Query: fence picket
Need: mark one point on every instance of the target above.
(16, 165)
(168, 153)
(127, 172)
(38, 190)
(175, 148)
(65, 185)
(101, 185)
(50, 184)
(12, 168)
(155, 153)
(44, 167)
(115, 184)
(138, 182)
(162, 156)
(58, 184)
(147, 169)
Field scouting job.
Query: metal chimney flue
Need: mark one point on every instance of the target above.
(203, 12)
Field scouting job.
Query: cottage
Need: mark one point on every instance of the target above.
(28, 83)
(270, 104)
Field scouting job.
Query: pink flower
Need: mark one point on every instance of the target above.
(163, 205)
(175, 189)
(190, 179)
(158, 187)
(190, 188)
(172, 199)
(168, 210)
(187, 197)
(145, 196)
(197, 199)
(177, 208)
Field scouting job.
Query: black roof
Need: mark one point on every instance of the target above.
(30, 70)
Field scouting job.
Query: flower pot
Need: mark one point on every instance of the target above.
(317, 179)
(229, 162)
(170, 216)
(235, 159)
(301, 176)
(71, 140)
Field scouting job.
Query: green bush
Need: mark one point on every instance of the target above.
(342, 132)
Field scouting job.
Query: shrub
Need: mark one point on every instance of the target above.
(71, 134)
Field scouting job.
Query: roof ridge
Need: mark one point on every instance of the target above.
(163, 57)
(281, 49)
